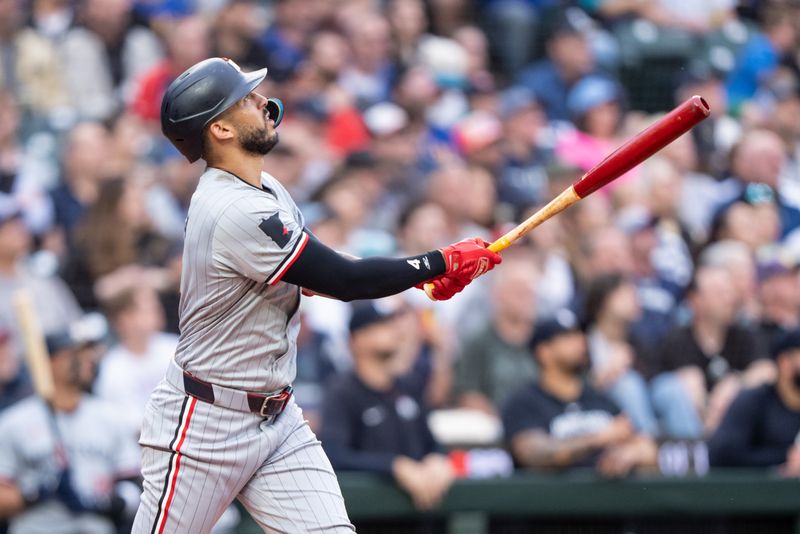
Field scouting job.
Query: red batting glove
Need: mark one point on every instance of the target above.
(445, 287)
(469, 259)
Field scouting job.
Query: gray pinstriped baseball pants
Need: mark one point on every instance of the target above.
(197, 458)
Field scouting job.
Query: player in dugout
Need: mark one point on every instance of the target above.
(68, 465)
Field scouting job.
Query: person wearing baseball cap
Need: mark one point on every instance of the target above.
(595, 106)
(762, 425)
(374, 420)
(561, 421)
(68, 464)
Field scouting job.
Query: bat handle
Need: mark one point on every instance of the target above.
(498, 246)
(564, 200)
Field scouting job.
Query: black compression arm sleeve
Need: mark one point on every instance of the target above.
(323, 270)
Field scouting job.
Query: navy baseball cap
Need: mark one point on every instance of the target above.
(564, 321)
(90, 329)
(789, 340)
(368, 313)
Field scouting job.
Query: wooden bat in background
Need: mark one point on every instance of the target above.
(35, 348)
(634, 151)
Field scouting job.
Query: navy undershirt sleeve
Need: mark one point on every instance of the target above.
(325, 271)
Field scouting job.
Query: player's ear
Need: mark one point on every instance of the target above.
(220, 130)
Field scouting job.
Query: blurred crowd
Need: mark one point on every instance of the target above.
(666, 306)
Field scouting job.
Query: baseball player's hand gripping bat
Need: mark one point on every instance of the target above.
(634, 151)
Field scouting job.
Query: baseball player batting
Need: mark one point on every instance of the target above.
(223, 424)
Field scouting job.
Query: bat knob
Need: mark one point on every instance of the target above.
(429, 291)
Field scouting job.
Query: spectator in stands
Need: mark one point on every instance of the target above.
(295, 21)
(756, 165)
(776, 106)
(52, 18)
(369, 74)
(394, 144)
(103, 56)
(761, 55)
(762, 426)
(569, 59)
(29, 64)
(477, 138)
(662, 188)
(560, 421)
(68, 465)
(409, 22)
(187, 41)
(496, 360)
(54, 304)
(713, 356)
(522, 179)
(551, 244)
(737, 222)
(605, 250)
(612, 306)
(86, 166)
(594, 104)
(479, 76)
(737, 258)
(513, 27)
(779, 295)
(328, 53)
(235, 35)
(136, 363)
(15, 383)
(660, 278)
(18, 178)
(373, 420)
(114, 233)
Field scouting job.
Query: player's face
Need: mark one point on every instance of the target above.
(257, 134)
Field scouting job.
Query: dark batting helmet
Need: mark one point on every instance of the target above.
(200, 95)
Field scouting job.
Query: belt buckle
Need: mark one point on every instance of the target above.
(274, 404)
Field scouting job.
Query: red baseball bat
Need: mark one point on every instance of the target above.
(634, 151)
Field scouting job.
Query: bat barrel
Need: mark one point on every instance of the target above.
(676, 123)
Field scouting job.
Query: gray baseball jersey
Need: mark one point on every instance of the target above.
(238, 330)
(99, 449)
(238, 324)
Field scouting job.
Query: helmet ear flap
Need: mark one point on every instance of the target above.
(275, 110)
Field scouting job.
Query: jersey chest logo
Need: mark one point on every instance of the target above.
(274, 228)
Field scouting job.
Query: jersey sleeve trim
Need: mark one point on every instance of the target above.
(287, 262)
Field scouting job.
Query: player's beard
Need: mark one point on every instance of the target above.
(257, 140)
